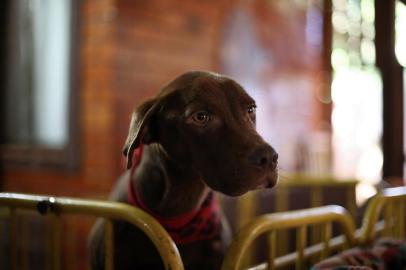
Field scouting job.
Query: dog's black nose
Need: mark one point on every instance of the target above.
(264, 157)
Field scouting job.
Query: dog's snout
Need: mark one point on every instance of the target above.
(264, 157)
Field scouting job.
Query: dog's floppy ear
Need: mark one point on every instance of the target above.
(141, 128)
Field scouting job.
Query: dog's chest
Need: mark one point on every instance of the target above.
(197, 225)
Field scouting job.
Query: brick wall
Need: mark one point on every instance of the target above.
(158, 40)
(129, 49)
(96, 172)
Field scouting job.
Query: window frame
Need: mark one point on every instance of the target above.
(13, 156)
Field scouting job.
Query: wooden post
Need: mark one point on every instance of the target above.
(392, 79)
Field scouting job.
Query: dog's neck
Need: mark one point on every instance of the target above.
(165, 187)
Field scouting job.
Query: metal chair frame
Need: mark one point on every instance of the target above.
(57, 206)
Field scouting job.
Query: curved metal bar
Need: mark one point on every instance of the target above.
(107, 209)
(286, 220)
(375, 209)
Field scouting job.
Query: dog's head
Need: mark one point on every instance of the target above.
(206, 122)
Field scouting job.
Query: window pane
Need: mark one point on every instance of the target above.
(51, 59)
(38, 79)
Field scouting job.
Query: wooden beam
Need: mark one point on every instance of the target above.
(392, 79)
(326, 107)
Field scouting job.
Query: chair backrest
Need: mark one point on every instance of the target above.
(58, 206)
(385, 214)
(300, 220)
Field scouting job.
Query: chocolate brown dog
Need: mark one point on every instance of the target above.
(195, 137)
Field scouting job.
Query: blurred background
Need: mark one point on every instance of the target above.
(328, 77)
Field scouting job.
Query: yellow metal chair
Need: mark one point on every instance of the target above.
(385, 215)
(57, 206)
(300, 220)
(312, 189)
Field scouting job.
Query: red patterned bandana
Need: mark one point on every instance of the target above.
(199, 224)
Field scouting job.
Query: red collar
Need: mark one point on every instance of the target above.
(199, 224)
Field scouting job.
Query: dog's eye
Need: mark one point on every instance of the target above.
(252, 109)
(201, 117)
